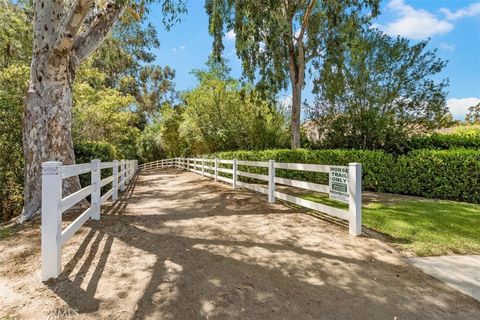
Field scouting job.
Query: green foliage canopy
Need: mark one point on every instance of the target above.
(382, 91)
(223, 115)
(15, 52)
(269, 33)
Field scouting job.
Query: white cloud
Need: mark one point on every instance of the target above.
(414, 24)
(420, 24)
(174, 50)
(472, 10)
(230, 35)
(446, 46)
(459, 107)
(183, 47)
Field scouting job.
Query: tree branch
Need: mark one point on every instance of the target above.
(301, 52)
(70, 26)
(305, 19)
(89, 40)
(288, 38)
(314, 54)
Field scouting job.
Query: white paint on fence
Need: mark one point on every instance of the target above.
(95, 197)
(53, 205)
(234, 174)
(352, 172)
(271, 181)
(355, 198)
(51, 219)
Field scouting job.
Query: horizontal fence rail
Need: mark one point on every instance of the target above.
(54, 204)
(211, 168)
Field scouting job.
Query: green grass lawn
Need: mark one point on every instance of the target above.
(426, 227)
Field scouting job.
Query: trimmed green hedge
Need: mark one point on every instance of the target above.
(444, 174)
(445, 141)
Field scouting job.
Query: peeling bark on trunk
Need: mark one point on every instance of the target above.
(57, 50)
(47, 126)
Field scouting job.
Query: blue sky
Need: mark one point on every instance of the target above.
(452, 25)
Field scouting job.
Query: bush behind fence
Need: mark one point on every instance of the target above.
(443, 174)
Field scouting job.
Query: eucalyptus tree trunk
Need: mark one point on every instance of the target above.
(47, 122)
(295, 116)
(297, 61)
(58, 48)
(297, 76)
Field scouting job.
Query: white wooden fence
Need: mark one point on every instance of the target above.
(158, 164)
(54, 204)
(204, 166)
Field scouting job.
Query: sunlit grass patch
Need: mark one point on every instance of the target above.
(424, 226)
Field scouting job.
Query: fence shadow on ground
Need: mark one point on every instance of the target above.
(222, 254)
(70, 290)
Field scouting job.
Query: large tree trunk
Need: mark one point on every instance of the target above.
(58, 48)
(47, 125)
(295, 117)
(296, 57)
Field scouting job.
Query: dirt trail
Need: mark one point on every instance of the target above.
(178, 246)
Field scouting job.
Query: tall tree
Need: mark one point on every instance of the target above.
(126, 49)
(219, 108)
(473, 115)
(65, 33)
(15, 55)
(153, 86)
(279, 38)
(381, 91)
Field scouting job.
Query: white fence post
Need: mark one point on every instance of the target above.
(271, 181)
(129, 170)
(355, 198)
(234, 173)
(95, 197)
(203, 167)
(51, 219)
(122, 175)
(115, 180)
(126, 172)
(216, 169)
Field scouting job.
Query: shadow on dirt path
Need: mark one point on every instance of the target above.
(179, 246)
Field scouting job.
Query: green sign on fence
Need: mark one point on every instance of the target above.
(338, 182)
